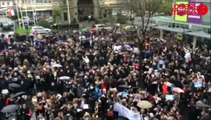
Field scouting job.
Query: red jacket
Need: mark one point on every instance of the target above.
(103, 86)
(165, 89)
(7, 101)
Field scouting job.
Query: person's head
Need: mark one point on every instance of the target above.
(86, 116)
(59, 114)
(24, 106)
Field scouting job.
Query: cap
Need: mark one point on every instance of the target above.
(37, 77)
(28, 72)
(15, 69)
(86, 114)
(5, 91)
(39, 94)
(59, 96)
(151, 115)
(29, 76)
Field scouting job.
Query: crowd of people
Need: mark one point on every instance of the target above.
(95, 76)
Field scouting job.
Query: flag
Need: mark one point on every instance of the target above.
(125, 112)
(11, 13)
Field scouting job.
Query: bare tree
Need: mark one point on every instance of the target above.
(56, 13)
(145, 9)
(166, 7)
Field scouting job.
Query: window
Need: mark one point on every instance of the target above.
(65, 16)
(30, 1)
(2, 3)
(105, 13)
(8, 3)
(110, 12)
(39, 1)
(55, 1)
(64, 1)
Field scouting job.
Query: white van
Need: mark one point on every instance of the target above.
(101, 26)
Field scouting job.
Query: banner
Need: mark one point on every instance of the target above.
(11, 13)
(125, 112)
(194, 18)
(182, 18)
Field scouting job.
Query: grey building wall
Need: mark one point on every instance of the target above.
(206, 19)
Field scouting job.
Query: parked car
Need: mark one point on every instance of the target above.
(26, 20)
(129, 27)
(40, 30)
(101, 26)
(50, 20)
(7, 25)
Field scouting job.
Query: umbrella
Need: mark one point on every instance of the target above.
(82, 37)
(123, 94)
(11, 33)
(17, 94)
(14, 85)
(177, 90)
(168, 83)
(144, 104)
(4, 91)
(8, 51)
(56, 65)
(9, 108)
(123, 86)
(202, 105)
(61, 42)
(113, 89)
(64, 78)
(6, 39)
(127, 46)
(71, 92)
(84, 30)
(39, 36)
(86, 59)
(96, 95)
(91, 30)
(155, 82)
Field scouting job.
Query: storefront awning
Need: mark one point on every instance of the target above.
(44, 9)
(3, 9)
(200, 34)
(178, 30)
(169, 19)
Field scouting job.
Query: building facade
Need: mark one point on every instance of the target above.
(98, 9)
(206, 18)
(43, 8)
(9, 4)
(79, 9)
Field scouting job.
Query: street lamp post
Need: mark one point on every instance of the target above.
(27, 21)
(68, 10)
(34, 16)
(17, 10)
(22, 18)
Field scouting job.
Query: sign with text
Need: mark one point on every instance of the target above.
(194, 18)
(178, 17)
(190, 11)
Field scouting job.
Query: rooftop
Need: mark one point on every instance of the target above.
(168, 19)
(185, 31)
